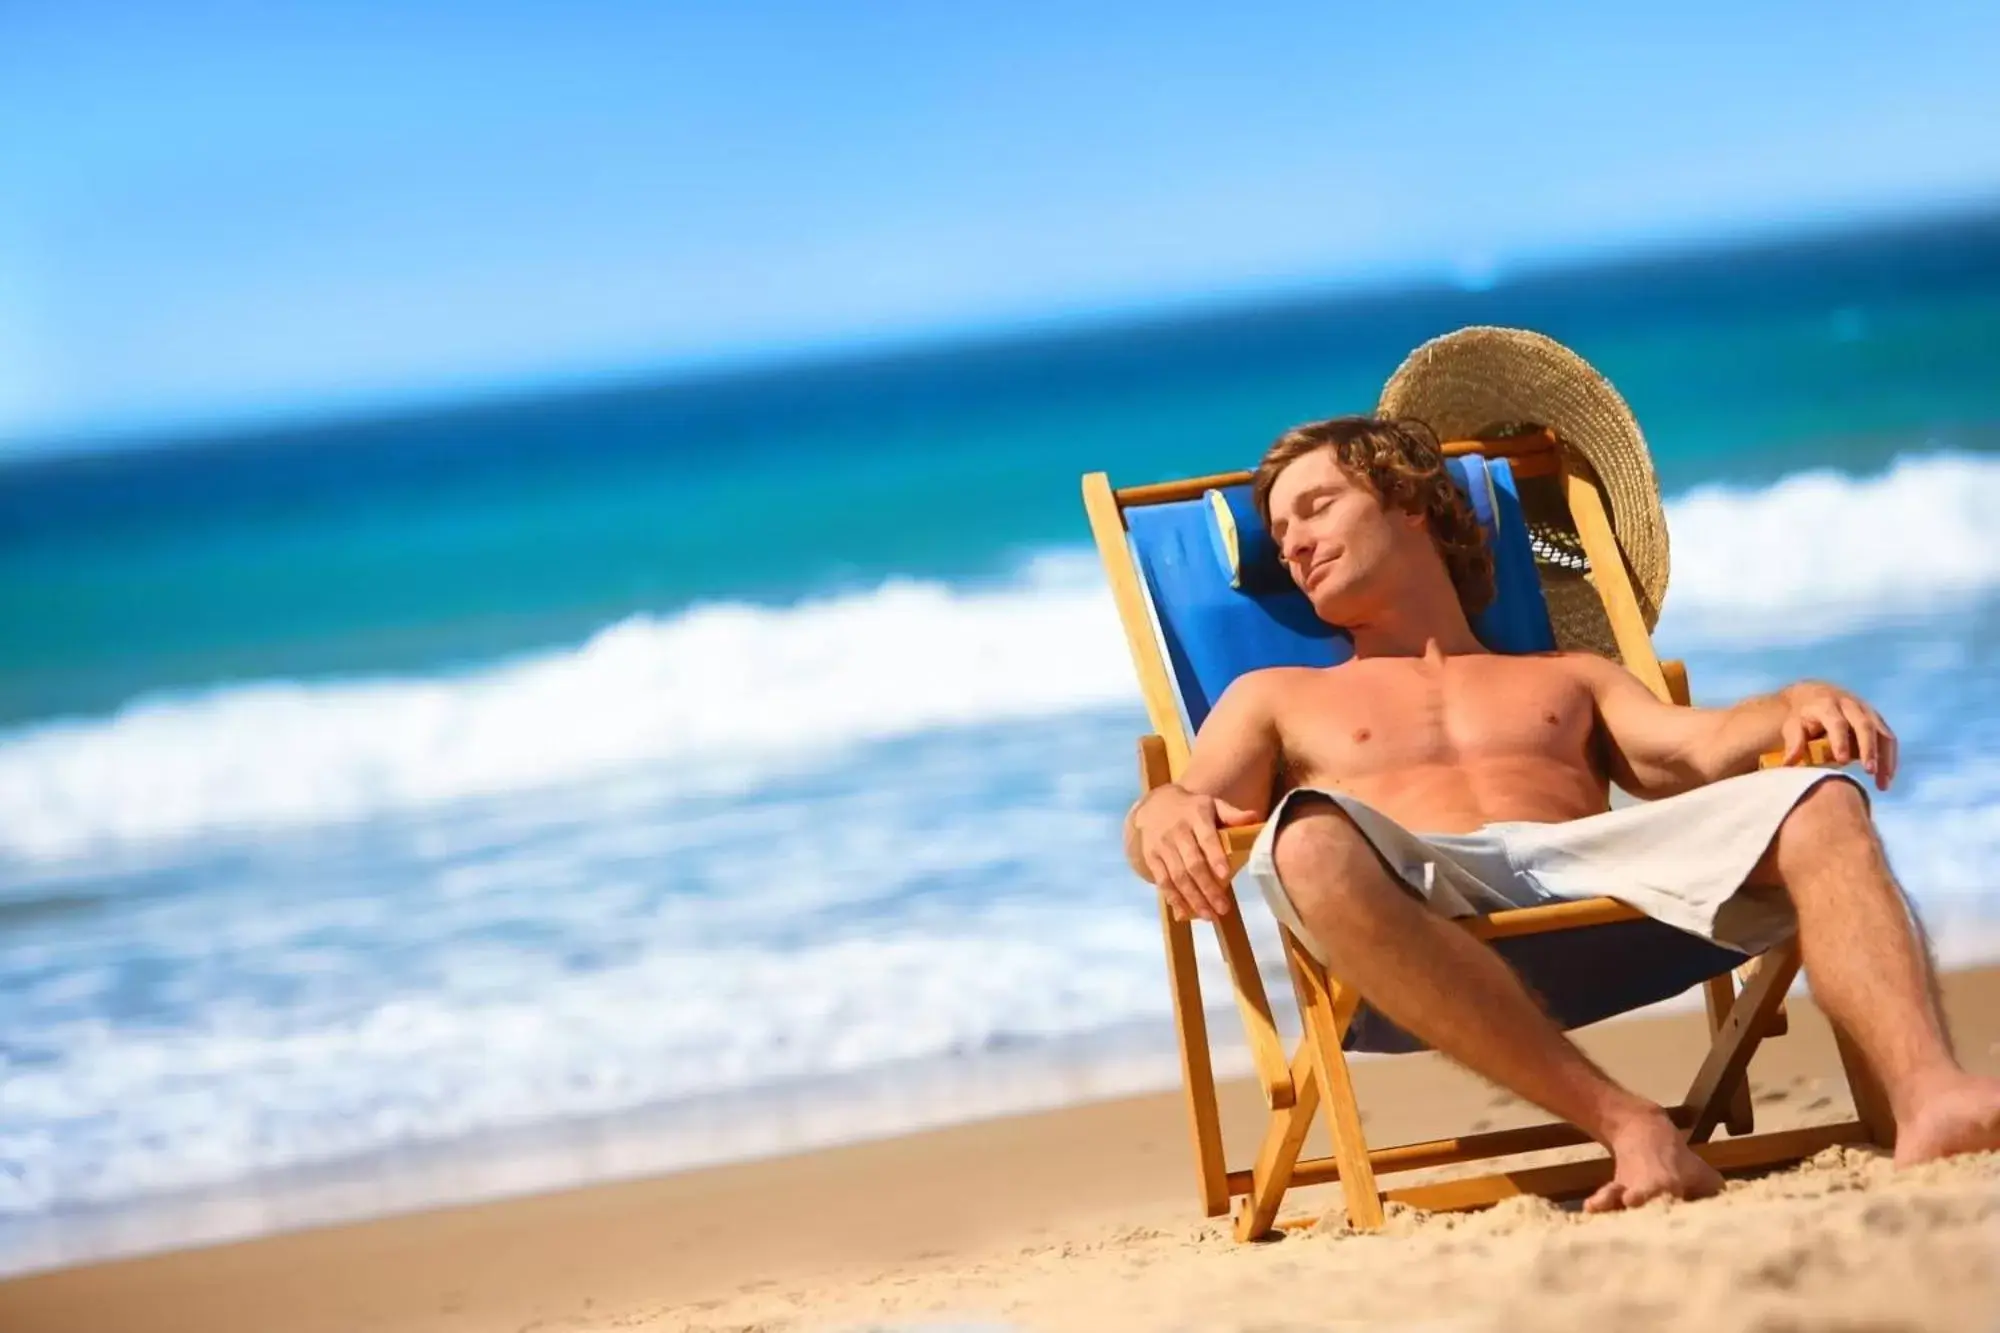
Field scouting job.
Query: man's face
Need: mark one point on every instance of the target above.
(1335, 536)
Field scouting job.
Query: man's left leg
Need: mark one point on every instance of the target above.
(1869, 972)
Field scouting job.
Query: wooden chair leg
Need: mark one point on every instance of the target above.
(1191, 1024)
(1328, 1007)
(1871, 1101)
(1197, 1067)
(1737, 1040)
(1740, 1117)
(1267, 1049)
(1284, 1136)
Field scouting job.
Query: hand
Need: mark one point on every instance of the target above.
(1852, 729)
(1176, 837)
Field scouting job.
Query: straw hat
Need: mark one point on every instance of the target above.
(1464, 384)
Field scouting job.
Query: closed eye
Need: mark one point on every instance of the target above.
(1308, 505)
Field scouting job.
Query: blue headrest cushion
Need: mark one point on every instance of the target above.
(1517, 619)
(1250, 559)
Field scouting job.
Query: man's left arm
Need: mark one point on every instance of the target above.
(1661, 749)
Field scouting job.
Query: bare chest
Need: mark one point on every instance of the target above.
(1379, 715)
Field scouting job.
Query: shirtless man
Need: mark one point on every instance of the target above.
(1424, 729)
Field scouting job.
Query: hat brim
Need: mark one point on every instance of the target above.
(1468, 383)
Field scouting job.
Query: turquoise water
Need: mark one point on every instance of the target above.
(378, 787)
(408, 543)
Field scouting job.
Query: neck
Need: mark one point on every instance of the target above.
(1422, 621)
(1396, 637)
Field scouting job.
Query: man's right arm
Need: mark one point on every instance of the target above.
(1172, 836)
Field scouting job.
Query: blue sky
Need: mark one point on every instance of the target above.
(215, 212)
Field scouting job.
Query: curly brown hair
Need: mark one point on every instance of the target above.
(1403, 463)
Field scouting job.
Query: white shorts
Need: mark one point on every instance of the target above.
(1681, 860)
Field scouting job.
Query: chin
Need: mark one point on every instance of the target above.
(1345, 592)
(1329, 605)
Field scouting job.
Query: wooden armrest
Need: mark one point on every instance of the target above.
(1570, 915)
(1237, 842)
(1818, 753)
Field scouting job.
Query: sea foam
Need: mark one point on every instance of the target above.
(1819, 553)
(734, 850)
(721, 696)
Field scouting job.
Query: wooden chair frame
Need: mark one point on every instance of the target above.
(1317, 1072)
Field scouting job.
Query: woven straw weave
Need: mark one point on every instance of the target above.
(1480, 382)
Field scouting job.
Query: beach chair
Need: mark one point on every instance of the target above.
(1203, 599)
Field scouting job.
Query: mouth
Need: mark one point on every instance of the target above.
(1317, 568)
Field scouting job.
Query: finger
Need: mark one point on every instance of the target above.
(1864, 731)
(1164, 882)
(1192, 836)
(1211, 848)
(1794, 734)
(1191, 896)
(1205, 856)
(1839, 735)
(1231, 816)
(1885, 748)
(1211, 889)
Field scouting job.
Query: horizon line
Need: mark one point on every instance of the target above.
(778, 357)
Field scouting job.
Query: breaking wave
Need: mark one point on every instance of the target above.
(722, 696)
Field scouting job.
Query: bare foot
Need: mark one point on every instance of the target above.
(1962, 1117)
(1652, 1161)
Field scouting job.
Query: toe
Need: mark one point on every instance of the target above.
(1609, 1199)
(1967, 1120)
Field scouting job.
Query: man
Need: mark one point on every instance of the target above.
(1427, 778)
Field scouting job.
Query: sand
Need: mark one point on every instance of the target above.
(1085, 1218)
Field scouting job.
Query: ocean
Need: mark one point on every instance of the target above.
(410, 809)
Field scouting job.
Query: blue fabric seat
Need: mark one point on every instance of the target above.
(1223, 604)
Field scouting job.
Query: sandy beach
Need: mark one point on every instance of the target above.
(583, 586)
(1085, 1218)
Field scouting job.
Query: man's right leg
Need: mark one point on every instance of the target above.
(1451, 990)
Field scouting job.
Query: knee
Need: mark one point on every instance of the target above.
(1832, 819)
(1320, 856)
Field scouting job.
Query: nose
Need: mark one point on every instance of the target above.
(1296, 549)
